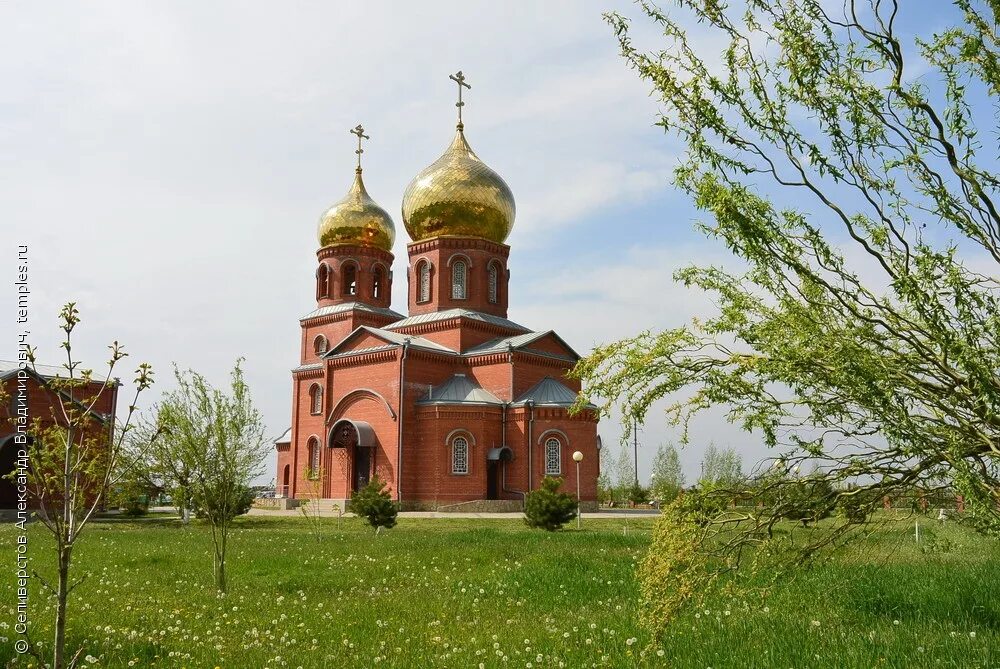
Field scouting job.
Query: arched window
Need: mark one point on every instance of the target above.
(320, 345)
(322, 281)
(459, 271)
(553, 457)
(316, 399)
(493, 282)
(314, 452)
(377, 279)
(350, 279)
(460, 456)
(424, 281)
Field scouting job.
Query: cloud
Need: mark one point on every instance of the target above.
(167, 164)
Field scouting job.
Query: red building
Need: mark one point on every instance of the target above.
(29, 396)
(453, 402)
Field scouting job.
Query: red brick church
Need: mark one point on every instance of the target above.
(453, 402)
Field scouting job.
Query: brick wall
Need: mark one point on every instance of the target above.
(439, 252)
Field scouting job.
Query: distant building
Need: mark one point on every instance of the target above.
(484, 409)
(42, 404)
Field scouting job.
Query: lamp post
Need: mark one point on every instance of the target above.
(577, 458)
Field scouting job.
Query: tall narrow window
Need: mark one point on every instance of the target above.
(553, 461)
(322, 282)
(460, 456)
(424, 282)
(350, 279)
(377, 282)
(458, 280)
(313, 457)
(316, 399)
(493, 282)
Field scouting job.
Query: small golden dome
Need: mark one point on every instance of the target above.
(357, 220)
(458, 195)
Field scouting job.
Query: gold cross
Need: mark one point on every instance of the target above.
(360, 132)
(459, 79)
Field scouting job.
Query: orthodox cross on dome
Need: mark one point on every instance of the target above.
(459, 79)
(360, 132)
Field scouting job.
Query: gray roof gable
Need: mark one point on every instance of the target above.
(549, 392)
(435, 316)
(351, 306)
(459, 389)
(391, 338)
(523, 342)
(10, 367)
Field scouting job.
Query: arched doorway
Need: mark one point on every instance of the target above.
(8, 460)
(496, 469)
(285, 479)
(358, 439)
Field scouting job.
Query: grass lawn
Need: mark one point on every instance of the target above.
(465, 593)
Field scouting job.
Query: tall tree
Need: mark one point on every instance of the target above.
(720, 467)
(74, 461)
(219, 438)
(863, 334)
(624, 472)
(667, 479)
(605, 484)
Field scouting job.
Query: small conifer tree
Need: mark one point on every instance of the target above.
(374, 504)
(547, 507)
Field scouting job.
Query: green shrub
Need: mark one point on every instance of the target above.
(638, 495)
(704, 504)
(131, 497)
(242, 501)
(807, 500)
(374, 504)
(547, 507)
(855, 507)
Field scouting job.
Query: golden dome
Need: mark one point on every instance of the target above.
(458, 195)
(357, 220)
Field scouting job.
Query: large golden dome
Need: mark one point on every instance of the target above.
(458, 195)
(357, 220)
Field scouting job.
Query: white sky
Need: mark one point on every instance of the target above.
(167, 163)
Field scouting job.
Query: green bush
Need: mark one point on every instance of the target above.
(638, 495)
(547, 507)
(855, 507)
(704, 504)
(242, 501)
(374, 504)
(807, 500)
(131, 497)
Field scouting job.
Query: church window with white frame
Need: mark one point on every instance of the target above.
(424, 282)
(459, 271)
(553, 457)
(460, 456)
(493, 283)
(316, 399)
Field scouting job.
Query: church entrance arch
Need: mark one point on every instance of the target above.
(496, 469)
(358, 439)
